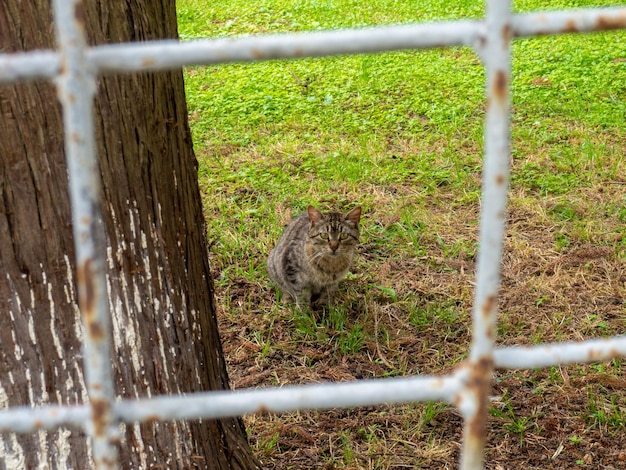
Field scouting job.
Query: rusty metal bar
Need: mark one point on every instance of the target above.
(162, 55)
(494, 50)
(220, 404)
(546, 355)
(569, 21)
(76, 88)
(213, 405)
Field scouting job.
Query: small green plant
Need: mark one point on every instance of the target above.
(575, 440)
(388, 291)
(606, 411)
(347, 447)
(512, 422)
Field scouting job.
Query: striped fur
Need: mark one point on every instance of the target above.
(313, 254)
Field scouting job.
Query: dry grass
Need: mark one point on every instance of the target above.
(563, 417)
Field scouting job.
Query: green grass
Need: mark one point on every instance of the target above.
(401, 134)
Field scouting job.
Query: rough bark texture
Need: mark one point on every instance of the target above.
(160, 290)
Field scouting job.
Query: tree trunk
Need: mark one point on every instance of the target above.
(160, 289)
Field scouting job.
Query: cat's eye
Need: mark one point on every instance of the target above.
(343, 236)
(324, 235)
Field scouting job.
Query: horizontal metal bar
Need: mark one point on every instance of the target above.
(23, 66)
(318, 396)
(162, 55)
(24, 419)
(213, 405)
(546, 355)
(572, 21)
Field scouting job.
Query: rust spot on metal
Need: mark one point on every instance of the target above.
(605, 22)
(570, 26)
(100, 410)
(500, 85)
(86, 288)
(152, 419)
(488, 308)
(95, 331)
(257, 54)
(38, 424)
(507, 34)
(263, 409)
(479, 385)
(148, 62)
(500, 179)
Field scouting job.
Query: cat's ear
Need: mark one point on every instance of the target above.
(314, 214)
(354, 215)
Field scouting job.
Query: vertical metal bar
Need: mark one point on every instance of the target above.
(495, 52)
(76, 89)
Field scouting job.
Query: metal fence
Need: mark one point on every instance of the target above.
(75, 67)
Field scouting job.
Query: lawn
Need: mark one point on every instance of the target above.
(401, 135)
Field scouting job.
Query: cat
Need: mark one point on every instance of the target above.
(313, 254)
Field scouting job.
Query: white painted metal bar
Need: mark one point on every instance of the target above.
(318, 396)
(220, 404)
(569, 21)
(161, 55)
(212, 405)
(25, 419)
(76, 88)
(23, 66)
(495, 53)
(546, 355)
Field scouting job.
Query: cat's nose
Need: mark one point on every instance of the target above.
(333, 244)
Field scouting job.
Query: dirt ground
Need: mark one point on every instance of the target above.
(559, 417)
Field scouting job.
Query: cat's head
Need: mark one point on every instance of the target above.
(334, 232)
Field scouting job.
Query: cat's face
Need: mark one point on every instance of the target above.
(334, 233)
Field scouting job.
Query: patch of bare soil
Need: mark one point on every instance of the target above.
(560, 417)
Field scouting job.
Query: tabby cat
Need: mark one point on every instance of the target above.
(313, 254)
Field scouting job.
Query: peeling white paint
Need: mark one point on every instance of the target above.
(19, 351)
(44, 393)
(63, 449)
(136, 430)
(70, 293)
(78, 323)
(4, 398)
(81, 387)
(43, 450)
(69, 383)
(32, 297)
(110, 262)
(31, 400)
(11, 453)
(53, 329)
(116, 317)
(31, 328)
(164, 360)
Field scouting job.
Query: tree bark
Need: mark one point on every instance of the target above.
(159, 284)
